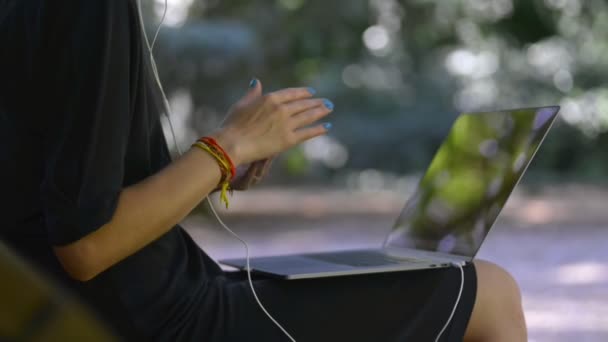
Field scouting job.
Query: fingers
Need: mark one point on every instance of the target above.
(243, 182)
(299, 106)
(308, 133)
(255, 88)
(273, 123)
(288, 95)
(262, 171)
(253, 93)
(311, 116)
(253, 175)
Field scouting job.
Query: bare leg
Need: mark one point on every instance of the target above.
(497, 315)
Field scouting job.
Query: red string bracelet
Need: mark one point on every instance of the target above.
(212, 142)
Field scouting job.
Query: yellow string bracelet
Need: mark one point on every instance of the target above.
(224, 167)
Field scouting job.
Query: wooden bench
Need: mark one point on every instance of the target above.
(33, 309)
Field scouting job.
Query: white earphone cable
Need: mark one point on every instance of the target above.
(249, 274)
(169, 114)
(455, 304)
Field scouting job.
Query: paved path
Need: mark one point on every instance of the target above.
(560, 266)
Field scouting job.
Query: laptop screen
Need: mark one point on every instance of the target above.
(469, 180)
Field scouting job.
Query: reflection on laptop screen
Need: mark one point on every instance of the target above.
(469, 180)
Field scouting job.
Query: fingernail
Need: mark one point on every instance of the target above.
(328, 104)
(312, 91)
(253, 83)
(327, 126)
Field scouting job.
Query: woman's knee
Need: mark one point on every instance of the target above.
(498, 283)
(498, 308)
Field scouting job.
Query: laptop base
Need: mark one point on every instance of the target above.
(333, 264)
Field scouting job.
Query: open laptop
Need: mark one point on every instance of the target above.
(450, 214)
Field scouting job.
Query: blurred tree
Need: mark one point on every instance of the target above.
(398, 71)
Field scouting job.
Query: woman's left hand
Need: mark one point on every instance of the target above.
(250, 175)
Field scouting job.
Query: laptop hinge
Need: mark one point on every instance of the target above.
(425, 255)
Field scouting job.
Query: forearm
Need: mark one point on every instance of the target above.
(257, 127)
(145, 211)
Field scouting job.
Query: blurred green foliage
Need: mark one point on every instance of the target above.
(398, 72)
(470, 180)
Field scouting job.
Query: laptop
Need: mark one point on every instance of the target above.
(457, 201)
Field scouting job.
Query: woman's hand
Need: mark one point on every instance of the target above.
(260, 126)
(251, 174)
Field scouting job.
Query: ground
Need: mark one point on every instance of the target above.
(553, 243)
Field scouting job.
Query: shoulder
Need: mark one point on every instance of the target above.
(90, 28)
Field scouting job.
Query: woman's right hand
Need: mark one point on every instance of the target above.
(260, 126)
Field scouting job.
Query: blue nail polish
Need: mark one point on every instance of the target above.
(328, 104)
(327, 126)
(253, 83)
(311, 90)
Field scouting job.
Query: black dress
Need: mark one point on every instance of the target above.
(79, 121)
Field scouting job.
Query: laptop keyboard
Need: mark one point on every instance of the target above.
(361, 258)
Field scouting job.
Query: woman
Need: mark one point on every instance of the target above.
(89, 178)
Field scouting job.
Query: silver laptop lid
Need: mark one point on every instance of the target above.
(469, 181)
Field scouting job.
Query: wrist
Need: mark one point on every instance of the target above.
(227, 141)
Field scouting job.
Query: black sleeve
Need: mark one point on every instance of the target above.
(89, 61)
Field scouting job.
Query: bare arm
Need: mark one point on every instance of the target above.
(260, 126)
(145, 211)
